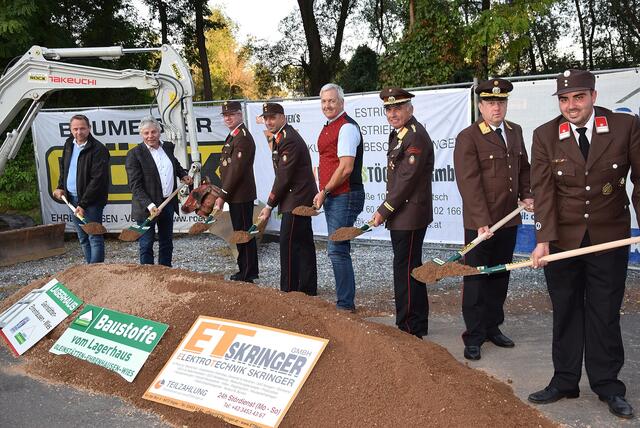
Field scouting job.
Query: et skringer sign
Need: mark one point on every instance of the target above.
(246, 374)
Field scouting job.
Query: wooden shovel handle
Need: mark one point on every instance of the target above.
(492, 229)
(578, 252)
(73, 209)
(168, 199)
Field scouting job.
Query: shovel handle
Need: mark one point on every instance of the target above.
(255, 226)
(563, 255)
(492, 229)
(166, 201)
(73, 209)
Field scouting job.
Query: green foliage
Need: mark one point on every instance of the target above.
(431, 53)
(19, 183)
(361, 72)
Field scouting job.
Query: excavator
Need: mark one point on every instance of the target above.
(40, 72)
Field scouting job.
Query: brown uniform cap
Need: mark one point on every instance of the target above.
(269, 109)
(494, 89)
(392, 96)
(231, 107)
(575, 80)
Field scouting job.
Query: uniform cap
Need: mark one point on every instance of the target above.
(231, 107)
(575, 80)
(269, 109)
(392, 96)
(494, 89)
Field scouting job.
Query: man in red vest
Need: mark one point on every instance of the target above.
(341, 190)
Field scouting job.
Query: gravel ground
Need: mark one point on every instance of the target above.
(372, 264)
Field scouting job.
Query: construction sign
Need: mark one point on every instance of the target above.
(246, 374)
(114, 340)
(36, 314)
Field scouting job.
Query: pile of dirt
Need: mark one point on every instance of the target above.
(369, 374)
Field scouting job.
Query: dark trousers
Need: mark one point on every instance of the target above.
(412, 304)
(586, 293)
(164, 223)
(241, 219)
(298, 270)
(483, 296)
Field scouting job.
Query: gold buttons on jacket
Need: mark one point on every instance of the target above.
(587, 188)
(586, 215)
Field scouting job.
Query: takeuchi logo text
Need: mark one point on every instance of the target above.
(72, 80)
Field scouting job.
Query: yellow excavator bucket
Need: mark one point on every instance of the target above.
(31, 243)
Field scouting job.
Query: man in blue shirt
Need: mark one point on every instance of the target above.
(84, 180)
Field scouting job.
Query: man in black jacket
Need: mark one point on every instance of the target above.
(84, 180)
(152, 170)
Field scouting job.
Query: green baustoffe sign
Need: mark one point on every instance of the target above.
(117, 341)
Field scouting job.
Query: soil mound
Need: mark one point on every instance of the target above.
(369, 374)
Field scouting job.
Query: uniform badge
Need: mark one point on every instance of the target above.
(224, 162)
(235, 132)
(391, 165)
(564, 131)
(284, 158)
(412, 160)
(621, 182)
(484, 128)
(607, 189)
(495, 90)
(538, 225)
(414, 128)
(602, 126)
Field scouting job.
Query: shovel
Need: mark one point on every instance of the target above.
(198, 228)
(305, 211)
(468, 270)
(471, 245)
(91, 228)
(349, 233)
(135, 231)
(242, 237)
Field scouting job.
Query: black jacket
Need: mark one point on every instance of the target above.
(92, 178)
(144, 180)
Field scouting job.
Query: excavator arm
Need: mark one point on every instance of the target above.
(39, 72)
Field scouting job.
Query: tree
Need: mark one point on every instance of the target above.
(361, 72)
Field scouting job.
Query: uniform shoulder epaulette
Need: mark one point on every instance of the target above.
(402, 133)
(244, 132)
(507, 125)
(484, 128)
(414, 128)
(284, 133)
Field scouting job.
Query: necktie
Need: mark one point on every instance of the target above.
(584, 142)
(499, 132)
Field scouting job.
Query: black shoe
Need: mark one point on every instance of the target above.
(472, 352)
(501, 340)
(551, 394)
(235, 277)
(619, 406)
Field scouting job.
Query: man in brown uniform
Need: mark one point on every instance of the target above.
(407, 209)
(492, 172)
(294, 185)
(239, 186)
(580, 162)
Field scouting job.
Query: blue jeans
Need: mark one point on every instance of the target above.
(92, 245)
(342, 210)
(164, 222)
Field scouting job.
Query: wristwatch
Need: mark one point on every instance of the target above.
(326, 192)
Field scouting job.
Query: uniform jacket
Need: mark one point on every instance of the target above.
(574, 196)
(294, 184)
(236, 166)
(491, 177)
(92, 178)
(408, 205)
(144, 180)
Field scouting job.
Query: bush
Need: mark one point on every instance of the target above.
(19, 182)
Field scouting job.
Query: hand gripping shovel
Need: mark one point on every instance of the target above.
(349, 233)
(134, 232)
(91, 228)
(198, 228)
(305, 211)
(468, 270)
(242, 237)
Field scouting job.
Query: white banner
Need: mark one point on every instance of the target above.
(452, 114)
(531, 104)
(118, 130)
